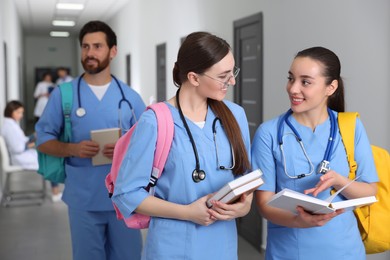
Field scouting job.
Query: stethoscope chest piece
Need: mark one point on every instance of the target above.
(80, 112)
(198, 175)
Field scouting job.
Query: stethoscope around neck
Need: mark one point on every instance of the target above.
(198, 174)
(324, 165)
(80, 111)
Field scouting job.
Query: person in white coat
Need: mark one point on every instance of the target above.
(20, 146)
(63, 76)
(41, 93)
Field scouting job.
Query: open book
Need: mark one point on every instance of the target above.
(103, 137)
(234, 189)
(288, 199)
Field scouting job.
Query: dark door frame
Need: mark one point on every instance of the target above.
(250, 227)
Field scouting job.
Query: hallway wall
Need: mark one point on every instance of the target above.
(356, 30)
(11, 35)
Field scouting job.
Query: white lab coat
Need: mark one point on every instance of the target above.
(16, 141)
(41, 89)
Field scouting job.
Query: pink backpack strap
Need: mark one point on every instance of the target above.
(119, 152)
(165, 131)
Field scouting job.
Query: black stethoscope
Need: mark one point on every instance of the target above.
(80, 112)
(216, 147)
(198, 174)
(324, 165)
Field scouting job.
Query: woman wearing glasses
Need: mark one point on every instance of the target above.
(302, 150)
(182, 227)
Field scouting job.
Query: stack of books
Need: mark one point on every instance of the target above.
(234, 189)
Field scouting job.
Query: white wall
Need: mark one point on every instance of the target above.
(2, 76)
(11, 34)
(13, 37)
(356, 30)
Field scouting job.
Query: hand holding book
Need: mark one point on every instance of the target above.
(289, 200)
(108, 150)
(234, 189)
(105, 138)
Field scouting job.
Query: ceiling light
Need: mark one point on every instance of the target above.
(59, 34)
(69, 6)
(63, 23)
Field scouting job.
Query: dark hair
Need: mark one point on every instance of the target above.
(98, 26)
(62, 68)
(331, 72)
(11, 107)
(44, 75)
(198, 52)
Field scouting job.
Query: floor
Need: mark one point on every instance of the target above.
(41, 232)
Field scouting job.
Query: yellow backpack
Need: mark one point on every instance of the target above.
(373, 220)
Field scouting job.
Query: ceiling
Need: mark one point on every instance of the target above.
(36, 16)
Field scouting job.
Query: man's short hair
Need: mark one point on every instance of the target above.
(99, 26)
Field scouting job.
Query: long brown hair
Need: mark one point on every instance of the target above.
(198, 52)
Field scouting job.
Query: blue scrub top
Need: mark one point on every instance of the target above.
(340, 237)
(171, 238)
(84, 185)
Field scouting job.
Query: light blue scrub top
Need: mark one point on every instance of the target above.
(340, 237)
(84, 185)
(171, 238)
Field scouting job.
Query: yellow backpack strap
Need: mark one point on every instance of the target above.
(347, 125)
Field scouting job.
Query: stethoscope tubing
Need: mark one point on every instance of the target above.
(197, 167)
(123, 99)
(329, 147)
(198, 174)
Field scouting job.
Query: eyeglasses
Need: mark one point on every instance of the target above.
(225, 83)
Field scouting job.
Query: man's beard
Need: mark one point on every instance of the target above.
(93, 69)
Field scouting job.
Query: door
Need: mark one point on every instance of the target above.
(128, 69)
(5, 73)
(248, 52)
(161, 72)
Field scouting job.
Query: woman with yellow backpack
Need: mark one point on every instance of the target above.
(302, 150)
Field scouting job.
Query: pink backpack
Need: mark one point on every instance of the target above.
(165, 130)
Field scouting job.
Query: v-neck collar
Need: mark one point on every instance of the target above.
(206, 131)
(89, 92)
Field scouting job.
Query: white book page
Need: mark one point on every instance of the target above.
(353, 203)
(330, 199)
